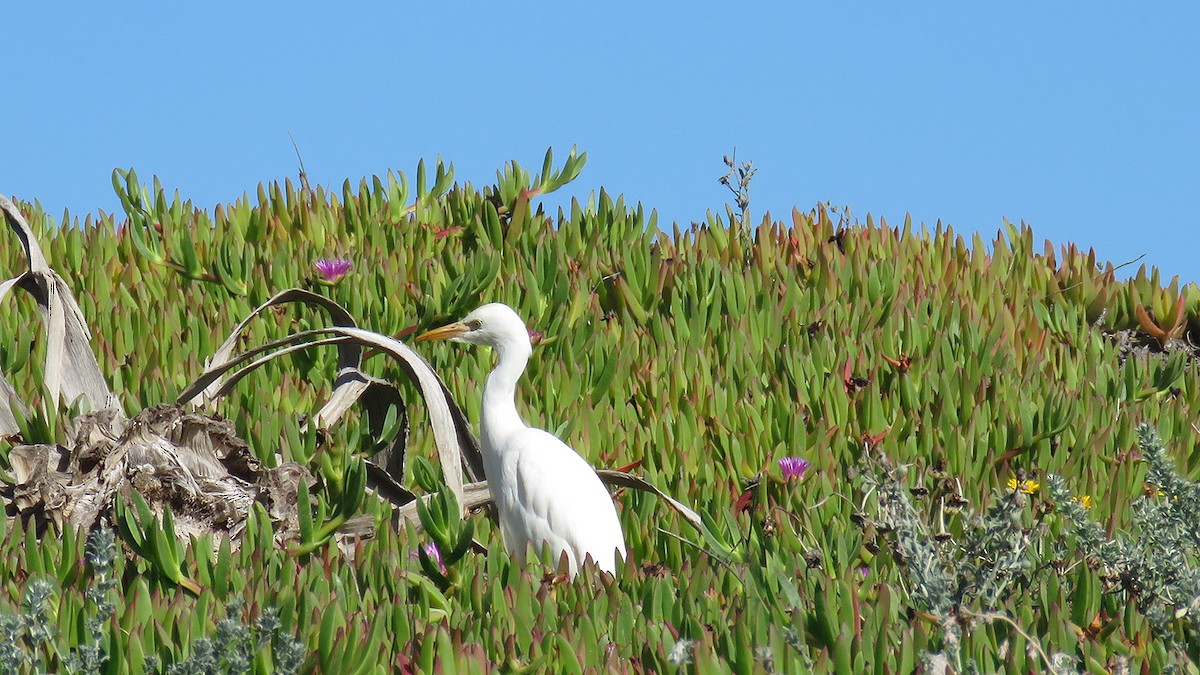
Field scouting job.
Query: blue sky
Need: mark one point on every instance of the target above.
(1080, 118)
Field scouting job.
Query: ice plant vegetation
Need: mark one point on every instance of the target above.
(698, 353)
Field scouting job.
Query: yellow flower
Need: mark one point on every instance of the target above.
(1028, 487)
(1084, 500)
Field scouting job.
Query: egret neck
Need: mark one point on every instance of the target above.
(500, 393)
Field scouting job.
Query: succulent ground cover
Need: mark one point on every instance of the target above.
(907, 449)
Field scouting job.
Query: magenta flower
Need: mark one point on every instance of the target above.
(793, 468)
(434, 554)
(332, 269)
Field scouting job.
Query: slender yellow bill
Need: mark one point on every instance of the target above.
(445, 332)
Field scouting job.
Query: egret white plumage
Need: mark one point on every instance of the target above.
(546, 495)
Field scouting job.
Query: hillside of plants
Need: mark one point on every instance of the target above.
(912, 450)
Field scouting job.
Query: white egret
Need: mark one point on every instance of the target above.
(546, 495)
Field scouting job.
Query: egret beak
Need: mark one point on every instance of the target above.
(447, 332)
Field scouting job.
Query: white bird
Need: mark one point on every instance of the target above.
(546, 495)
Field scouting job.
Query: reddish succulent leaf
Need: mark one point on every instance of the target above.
(1010, 454)
(1179, 320)
(743, 501)
(849, 381)
(630, 466)
(1037, 344)
(872, 441)
(1148, 323)
(902, 364)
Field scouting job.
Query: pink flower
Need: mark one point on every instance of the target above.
(793, 468)
(332, 269)
(434, 554)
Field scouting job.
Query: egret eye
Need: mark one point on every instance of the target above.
(474, 324)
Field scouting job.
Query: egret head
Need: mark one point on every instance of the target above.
(494, 325)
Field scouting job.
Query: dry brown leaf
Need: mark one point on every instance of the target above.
(456, 446)
(71, 368)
